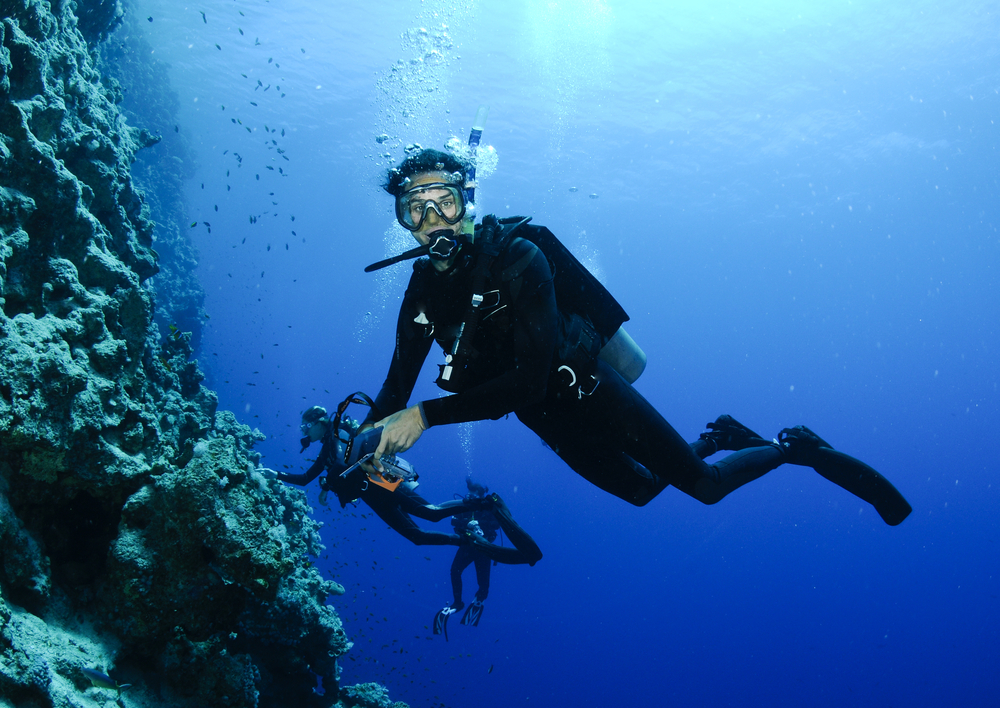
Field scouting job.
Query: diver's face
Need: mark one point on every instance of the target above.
(316, 431)
(433, 223)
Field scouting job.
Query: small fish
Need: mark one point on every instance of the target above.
(256, 41)
(207, 224)
(102, 680)
(490, 671)
(282, 132)
(177, 129)
(241, 13)
(244, 76)
(259, 83)
(269, 60)
(303, 51)
(286, 248)
(269, 247)
(218, 47)
(150, 19)
(241, 31)
(223, 108)
(293, 218)
(243, 241)
(252, 103)
(193, 224)
(269, 167)
(216, 207)
(203, 17)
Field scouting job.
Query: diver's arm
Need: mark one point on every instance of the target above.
(535, 329)
(326, 457)
(302, 479)
(407, 360)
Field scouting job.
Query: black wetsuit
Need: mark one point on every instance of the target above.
(467, 555)
(393, 507)
(396, 507)
(613, 437)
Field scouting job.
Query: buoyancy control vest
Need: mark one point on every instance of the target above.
(590, 319)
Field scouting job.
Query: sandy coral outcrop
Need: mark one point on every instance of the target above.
(136, 537)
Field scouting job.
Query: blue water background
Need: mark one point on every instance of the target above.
(796, 202)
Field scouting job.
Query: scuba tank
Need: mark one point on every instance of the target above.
(623, 355)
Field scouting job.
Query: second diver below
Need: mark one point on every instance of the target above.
(395, 503)
(485, 524)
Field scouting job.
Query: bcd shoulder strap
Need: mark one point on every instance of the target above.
(494, 235)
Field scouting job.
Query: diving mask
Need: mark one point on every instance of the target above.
(413, 205)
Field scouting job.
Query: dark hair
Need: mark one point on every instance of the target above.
(428, 160)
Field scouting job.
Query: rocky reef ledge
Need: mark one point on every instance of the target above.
(136, 538)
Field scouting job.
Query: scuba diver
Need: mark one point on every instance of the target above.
(393, 498)
(483, 524)
(527, 329)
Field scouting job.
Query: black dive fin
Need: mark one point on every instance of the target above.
(473, 614)
(863, 482)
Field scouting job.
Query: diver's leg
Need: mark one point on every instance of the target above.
(617, 440)
(414, 504)
(590, 452)
(731, 473)
(463, 557)
(483, 564)
(525, 549)
(385, 504)
(804, 447)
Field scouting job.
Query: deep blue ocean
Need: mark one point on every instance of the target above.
(796, 202)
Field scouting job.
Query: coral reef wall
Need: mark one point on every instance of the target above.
(136, 537)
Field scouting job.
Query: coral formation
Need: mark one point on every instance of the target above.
(136, 538)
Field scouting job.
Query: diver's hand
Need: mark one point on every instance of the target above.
(400, 431)
(267, 473)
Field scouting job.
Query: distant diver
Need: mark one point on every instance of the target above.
(393, 498)
(526, 329)
(483, 525)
